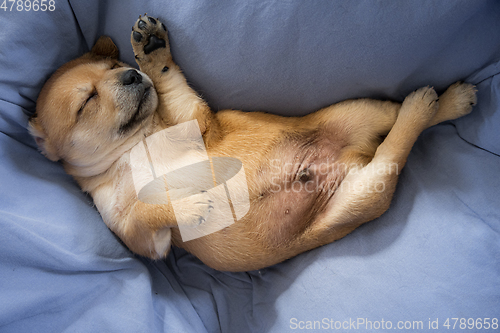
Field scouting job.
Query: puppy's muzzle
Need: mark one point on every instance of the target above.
(131, 77)
(136, 99)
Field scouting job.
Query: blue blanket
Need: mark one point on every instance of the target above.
(431, 261)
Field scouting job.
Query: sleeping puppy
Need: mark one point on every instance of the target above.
(285, 184)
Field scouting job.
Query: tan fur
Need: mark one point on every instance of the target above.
(311, 180)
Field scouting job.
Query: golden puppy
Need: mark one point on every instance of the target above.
(300, 182)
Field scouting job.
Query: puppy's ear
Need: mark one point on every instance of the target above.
(41, 139)
(104, 47)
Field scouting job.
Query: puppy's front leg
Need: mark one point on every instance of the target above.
(146, 229)
(178, 103)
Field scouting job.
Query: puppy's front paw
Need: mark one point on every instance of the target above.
(150, 43)
(193, 210)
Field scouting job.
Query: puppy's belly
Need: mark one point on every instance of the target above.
(296, 185)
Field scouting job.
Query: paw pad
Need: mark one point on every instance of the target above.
(137, 36)
(148, 35)
(154, 44)
(142, 24)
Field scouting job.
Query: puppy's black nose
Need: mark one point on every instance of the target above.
(131, 77)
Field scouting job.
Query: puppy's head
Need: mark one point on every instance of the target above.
(92, 110)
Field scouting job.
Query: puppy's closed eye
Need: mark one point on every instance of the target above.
(119, 64)
(92, 95)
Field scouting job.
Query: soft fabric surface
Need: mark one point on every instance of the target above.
(434, 255)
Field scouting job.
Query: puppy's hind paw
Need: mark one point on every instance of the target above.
(420, 106)
(458, 100)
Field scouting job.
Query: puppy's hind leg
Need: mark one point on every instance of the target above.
(366, 192)
(177, 101)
